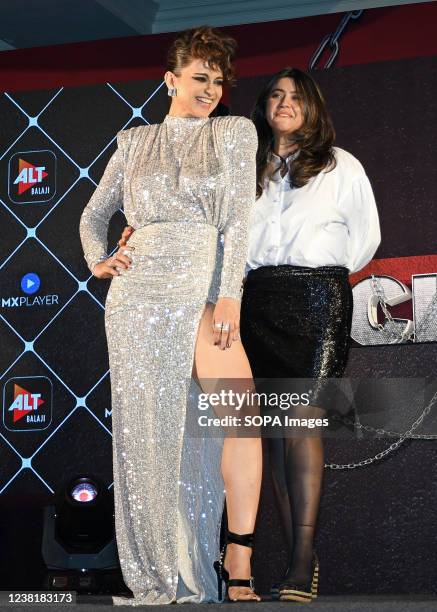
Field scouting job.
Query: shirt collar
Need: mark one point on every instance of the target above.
(277, 161)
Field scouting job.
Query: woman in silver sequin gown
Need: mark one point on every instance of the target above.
(186, 185)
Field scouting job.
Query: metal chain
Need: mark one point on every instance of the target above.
(331, 40)
(390, 330)
(395, 445)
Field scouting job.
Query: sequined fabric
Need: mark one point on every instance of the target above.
(296, 321)
(187, 185)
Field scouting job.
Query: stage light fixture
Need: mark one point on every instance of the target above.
(79, 546)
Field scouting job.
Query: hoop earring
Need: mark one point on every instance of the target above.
(172, 92)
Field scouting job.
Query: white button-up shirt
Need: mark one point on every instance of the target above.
(330, 221)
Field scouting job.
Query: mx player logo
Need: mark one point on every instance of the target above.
(27, 403)
(32, 177)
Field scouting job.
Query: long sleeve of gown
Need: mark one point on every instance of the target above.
(241, 146)
(105, 201)
(361, 215)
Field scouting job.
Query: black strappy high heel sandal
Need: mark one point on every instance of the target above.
(305, 593)
(223, 574)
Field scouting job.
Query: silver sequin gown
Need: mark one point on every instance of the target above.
(186, 185)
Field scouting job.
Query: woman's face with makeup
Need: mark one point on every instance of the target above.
(199, 89)
(284, 108)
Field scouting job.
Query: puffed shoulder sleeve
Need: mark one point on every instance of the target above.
(105, 201)
(361, 217)
(241, 144)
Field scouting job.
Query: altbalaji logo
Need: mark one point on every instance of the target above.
(27, 403)
(32, 177)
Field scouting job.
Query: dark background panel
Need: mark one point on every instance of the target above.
(371, 535)
(384, 114)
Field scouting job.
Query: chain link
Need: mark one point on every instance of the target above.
(331, 41)
(395, 445)
(390, 330)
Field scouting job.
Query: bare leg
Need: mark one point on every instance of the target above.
(242, 457)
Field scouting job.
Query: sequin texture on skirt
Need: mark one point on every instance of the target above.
(296, 321)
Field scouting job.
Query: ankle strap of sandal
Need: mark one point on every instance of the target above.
(244, 539)
(233, 582)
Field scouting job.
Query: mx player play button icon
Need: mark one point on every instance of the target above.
(30, 283)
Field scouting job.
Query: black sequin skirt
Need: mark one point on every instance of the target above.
(296, 321)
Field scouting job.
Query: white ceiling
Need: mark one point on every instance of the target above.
(33, 23)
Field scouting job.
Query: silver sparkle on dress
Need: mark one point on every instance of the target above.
(187, 185)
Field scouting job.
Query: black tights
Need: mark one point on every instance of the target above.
(295, 323)
(297, 466)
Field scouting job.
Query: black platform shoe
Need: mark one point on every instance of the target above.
(303, 592)
(274, 589)
(223, 574)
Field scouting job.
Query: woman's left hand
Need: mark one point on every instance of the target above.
(226, 322)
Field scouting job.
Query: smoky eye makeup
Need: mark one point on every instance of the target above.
(203, 79)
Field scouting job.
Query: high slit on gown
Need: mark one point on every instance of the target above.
(186, 185)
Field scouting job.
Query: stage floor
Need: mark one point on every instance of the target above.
(357, 603)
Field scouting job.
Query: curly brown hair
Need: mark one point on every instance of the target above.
(315, 138)
(206, 43)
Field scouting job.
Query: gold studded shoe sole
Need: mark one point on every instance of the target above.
(290, 594)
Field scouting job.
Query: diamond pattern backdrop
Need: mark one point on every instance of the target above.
(51, 329)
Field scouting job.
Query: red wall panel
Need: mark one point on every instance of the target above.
(379, 34)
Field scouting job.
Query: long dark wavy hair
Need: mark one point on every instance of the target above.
(314, 139)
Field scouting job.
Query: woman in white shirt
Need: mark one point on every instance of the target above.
(314, 222)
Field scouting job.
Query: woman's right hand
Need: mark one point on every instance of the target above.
(111, 266)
